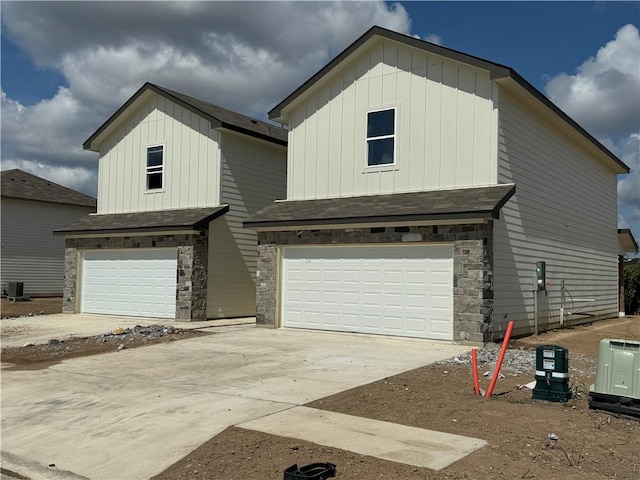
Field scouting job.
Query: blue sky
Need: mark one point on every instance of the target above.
(67, 66)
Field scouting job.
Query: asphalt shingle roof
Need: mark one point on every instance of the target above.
(19, 184)
(161, 220)
(478, 202)
(231, 118)
(221, 116)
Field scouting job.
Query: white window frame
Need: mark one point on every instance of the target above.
(154, 169)
(382, 137)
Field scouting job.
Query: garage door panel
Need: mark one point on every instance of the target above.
(393, 300)
(371, 321)
(331, 298)
(135, 283)
(313, 276)
(350, 320)
(416, 301)
(393, 278)
(331, 276)
(393, 323)
(332, 319)
(312, 297)
(392, 290)
(371, 300)
(415, 278)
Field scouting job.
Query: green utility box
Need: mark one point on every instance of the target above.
(617, 386)
(552, 374)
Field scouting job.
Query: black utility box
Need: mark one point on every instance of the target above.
(16, 289)
(314, 471)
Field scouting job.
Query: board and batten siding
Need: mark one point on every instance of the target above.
(30, 252)
(446, 126)
(191, 161)
(253, 176)
(564, 213)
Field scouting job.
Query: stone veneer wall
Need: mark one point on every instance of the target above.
(191, 288)
(472, 268)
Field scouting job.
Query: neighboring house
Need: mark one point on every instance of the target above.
(424, 185)
(31, 208)
(177, 176)
(627, 244)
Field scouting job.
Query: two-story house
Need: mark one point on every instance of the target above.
(31, 207)
(424, 186)
(177, 176)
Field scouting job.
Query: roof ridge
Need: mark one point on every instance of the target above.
(18, 187)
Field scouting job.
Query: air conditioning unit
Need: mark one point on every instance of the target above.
(16, 289)
(617, 386)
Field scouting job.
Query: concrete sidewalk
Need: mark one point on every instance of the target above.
(389, 441)
(131, 414)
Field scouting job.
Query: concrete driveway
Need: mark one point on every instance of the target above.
(130, 414)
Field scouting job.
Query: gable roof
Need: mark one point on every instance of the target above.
(496, 70)
(19, 184)
(137, 222)
(459, 203)
(218, 116)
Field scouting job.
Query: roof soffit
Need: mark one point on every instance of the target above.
(626, 241)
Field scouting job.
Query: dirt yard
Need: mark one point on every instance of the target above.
(37, 357)
(591, 444)
(34, 306)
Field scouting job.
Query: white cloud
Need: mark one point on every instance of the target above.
(604, 94)
(604, 97)
(629, 185)
(210, 50)
(433, 38)
(78, 178)
(44, 130)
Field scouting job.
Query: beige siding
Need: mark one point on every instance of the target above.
(30, 253)
(191, 161)
(564, 213)
(254, 175)
(445, 133)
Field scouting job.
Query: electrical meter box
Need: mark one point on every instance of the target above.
(541, 275)
(552, 374)
(617, 386)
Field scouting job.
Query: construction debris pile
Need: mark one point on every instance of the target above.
(145, 333)
(516, 361)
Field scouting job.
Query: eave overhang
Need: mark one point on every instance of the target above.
(626, 241)
(454, 205)
(195, 219)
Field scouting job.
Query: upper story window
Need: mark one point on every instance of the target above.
(155, 167)
(381, 137)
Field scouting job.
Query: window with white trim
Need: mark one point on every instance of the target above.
(381, 137)
(155, 167)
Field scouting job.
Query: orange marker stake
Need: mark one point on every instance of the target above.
(474, 367)
(505, 344)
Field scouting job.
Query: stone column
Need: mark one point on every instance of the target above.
(266, 283)
(70, 280)
(191, 289)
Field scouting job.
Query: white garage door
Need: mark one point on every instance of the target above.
(390, 290)
(140, 283)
